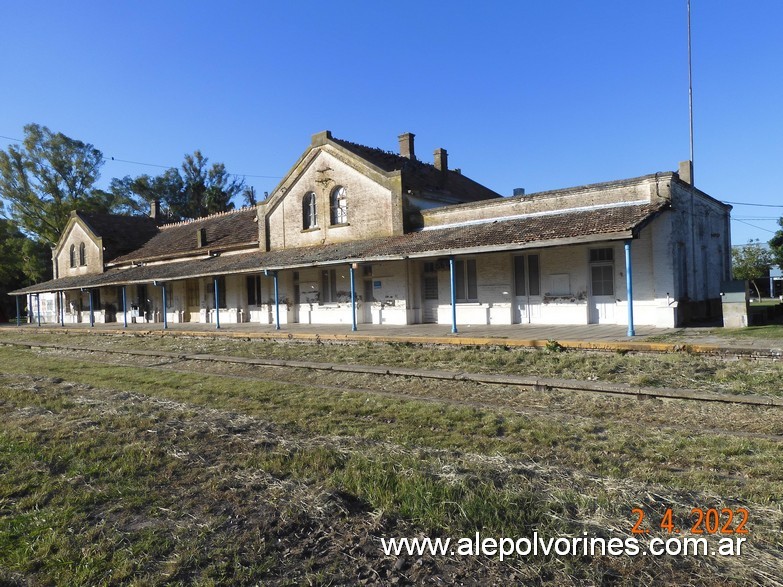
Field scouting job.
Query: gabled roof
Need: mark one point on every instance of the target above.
(420, 176)
(120, 234)
(224, 230)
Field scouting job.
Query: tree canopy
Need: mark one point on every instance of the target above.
(197, 190)
(776, 245)
(24, 261)
(751, 262)
(46, 177)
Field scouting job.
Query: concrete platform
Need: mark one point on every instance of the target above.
(591, 336)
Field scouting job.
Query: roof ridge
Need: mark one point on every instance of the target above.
(402, 158)
(111, 214)
(384, 151)
(208, 217)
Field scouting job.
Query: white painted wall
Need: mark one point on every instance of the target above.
(570, 265)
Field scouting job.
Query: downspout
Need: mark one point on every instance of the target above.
(38, 307)
(18, 312)
(353, 300)
(61, 298)
(629, 287)
(453, 280)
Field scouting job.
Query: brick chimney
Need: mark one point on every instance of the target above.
(406, 145)
(686, 171)
(441, 160)
(155, 209)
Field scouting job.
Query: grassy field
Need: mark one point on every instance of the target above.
(130, 470)
(768, 332)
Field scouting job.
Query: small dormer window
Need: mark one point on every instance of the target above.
(73, 256)
(309, 211)
(339, 204)
(82, 255)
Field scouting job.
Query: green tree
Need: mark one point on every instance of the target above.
(167, 188)
(24, 261)
(751, 262)
(195, 191)
(36, 261)
(46, 177)
(776, 245)
(249, 197)
(206, 189)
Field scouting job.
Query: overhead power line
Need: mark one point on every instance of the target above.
(754, 226)
(159, 166)
(175, 166)
(139, 163)
(749, 204)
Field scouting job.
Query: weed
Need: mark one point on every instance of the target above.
(553, 346)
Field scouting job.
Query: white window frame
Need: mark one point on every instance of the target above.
(328, 293)
(338, 202)
(466, 280)
(309, 211)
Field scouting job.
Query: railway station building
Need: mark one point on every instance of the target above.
(357, 235)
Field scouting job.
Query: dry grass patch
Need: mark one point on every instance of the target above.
(114, 472)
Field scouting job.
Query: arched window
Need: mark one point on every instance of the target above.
(339, 204)
(82, 254)
(309, 211)
(73, 255)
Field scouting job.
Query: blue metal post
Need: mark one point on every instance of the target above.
(629, 287)
(353, 300)
(61, 299)
(165, 317)
(18, 312)
(217, 304)
(124, 308)
(92, 313)
(38, 307)
(453, 277)
(277, 302)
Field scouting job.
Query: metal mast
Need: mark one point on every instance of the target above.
(690, 81)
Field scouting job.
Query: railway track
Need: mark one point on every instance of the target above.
(536, 383)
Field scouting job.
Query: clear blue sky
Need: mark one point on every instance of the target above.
(540, 95)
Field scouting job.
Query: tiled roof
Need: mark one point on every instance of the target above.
(120, 234)
(417, 175)
(522, 232)
(510, 234)
(202, 267)
(223, 230)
